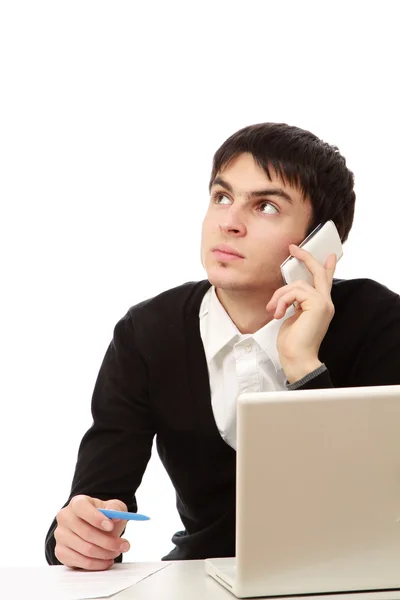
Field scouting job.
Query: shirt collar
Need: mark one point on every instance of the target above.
(267, 338)
(222, 331)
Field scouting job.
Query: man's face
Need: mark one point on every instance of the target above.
(256, 218)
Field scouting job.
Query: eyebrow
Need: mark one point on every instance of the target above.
(256, 193)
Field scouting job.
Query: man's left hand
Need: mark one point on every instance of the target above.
(301, 335)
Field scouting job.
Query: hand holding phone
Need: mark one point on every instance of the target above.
(322, 241)
(301, 335)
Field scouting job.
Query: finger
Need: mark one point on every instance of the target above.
(318, 272)
(66, 537)
(108, 540)
(295, 295)
(71, 558)
(330, 267)
(115, 505)
(279, 293)
(86, 508)
(306, 302)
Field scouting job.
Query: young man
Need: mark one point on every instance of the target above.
(177, 362)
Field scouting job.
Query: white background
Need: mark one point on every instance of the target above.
(110, 113)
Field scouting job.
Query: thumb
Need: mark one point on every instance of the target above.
(115, 505)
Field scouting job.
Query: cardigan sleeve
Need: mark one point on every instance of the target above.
(114, 452)
(377, 360)
(315, 380)
(373, 328)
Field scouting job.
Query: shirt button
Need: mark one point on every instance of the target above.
(248, 348)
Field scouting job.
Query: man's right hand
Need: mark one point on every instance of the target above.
(85, 538)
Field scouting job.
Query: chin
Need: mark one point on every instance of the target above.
(226, 278)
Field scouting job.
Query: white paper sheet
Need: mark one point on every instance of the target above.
(61, 583)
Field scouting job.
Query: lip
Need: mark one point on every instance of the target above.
(226, 252)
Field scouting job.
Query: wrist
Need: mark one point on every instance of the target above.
(295, 371)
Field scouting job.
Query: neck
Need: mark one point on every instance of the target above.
(246, 309)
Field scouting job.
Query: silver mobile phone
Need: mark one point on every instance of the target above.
(322, 241)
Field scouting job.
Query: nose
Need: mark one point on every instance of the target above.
(232, 222)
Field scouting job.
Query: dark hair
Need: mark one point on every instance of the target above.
(303, 161)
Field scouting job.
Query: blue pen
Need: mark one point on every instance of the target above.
(121, 514)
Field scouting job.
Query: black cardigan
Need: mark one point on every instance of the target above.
(154, 381)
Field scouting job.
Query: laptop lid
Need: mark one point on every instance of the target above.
(318, 491)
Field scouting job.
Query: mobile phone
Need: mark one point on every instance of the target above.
(322, 241)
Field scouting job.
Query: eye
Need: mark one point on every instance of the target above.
(272, 208)
(218, 196)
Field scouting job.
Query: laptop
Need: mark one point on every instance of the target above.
(318, 495)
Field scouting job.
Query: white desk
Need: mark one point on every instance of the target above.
(180, 580)
(177, 580)
(187, 580)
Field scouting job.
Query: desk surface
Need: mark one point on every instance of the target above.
(187, 580)
(180, 580)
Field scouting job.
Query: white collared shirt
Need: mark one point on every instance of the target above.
(237, 362)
